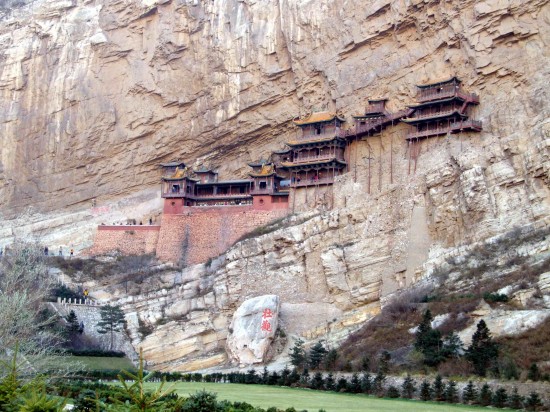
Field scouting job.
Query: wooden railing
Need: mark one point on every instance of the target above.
(312, 159)
(312, 182)
(446, 92)
(434, 114)
(182, 193)
(261, 191)
(451, 128)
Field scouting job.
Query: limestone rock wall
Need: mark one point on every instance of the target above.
(97, 93)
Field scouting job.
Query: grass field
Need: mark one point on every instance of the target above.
(91, 363)
(282, 398)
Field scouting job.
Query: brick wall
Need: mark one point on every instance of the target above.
(129, 240)
(201, 233)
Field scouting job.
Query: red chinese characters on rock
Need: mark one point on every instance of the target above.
(266, 325)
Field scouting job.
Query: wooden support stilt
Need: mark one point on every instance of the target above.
(409, 148)
(417, 153)
(380, 167)
(391, 157)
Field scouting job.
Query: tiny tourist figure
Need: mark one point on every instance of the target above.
(86, 293)
(46, 250)
(60, 251)
(150, 220)
(72, 252)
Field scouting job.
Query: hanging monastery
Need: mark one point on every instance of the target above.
(203, 215)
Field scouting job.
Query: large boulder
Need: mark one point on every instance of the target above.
(253, 329)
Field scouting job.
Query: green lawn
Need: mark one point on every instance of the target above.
(282, 398)
(92, 363)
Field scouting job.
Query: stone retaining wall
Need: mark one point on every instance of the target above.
(90, 315)
(203, 233)
(127, 239)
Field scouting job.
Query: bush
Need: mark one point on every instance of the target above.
(98, 353)
(495, 297)
(392, 392)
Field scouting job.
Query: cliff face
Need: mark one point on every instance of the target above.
(97, 93)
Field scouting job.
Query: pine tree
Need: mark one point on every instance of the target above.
(366, 383)
(378, 383)
(316, 355)
(298, 354)
(483, 351)
(485, 395)
(365, 363)
(392, 392)
(304, 378)
(330, 359)
(438, 388)
(342, 385)
(470, 393)
(384, 363)
(408, 388)
(284, 377)
(330, 384)
(318, 382)
(274, 378)
(73, 326)
(533, 402)
(265, 376)
(425, 391)
(451, 393)
(251, 377)
(452, 346)
(355, 384)
(534, 372)
(428, 341)
(293, 377)
(112, 320)
(516, 400)
(499, 398)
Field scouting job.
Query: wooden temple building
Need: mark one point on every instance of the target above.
(183, 188)
(442, 108)
(316, 155)
(270, 189)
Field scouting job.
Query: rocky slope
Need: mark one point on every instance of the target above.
(97, 93)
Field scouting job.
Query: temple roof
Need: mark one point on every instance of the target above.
(318, 117)
(203, 169)
(432, 102)
(171, 178)
(372, 114)
(313, 162)
(225, 182)
(432, 117)
(310, 141)
(436, 82)
(258, 163)
(266, 170)
(173, 164)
